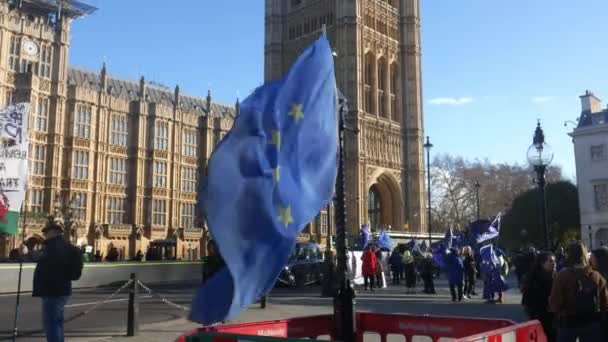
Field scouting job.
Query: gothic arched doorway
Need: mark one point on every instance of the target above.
(374, 208)
(384, 203)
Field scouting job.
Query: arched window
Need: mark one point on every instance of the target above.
(374, 208)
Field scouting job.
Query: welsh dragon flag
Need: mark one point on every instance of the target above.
(13, 164)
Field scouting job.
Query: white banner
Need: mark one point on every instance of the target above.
(13, 164)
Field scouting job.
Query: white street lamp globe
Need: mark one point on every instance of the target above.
(540, 154)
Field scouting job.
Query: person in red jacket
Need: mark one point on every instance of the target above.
(369, 267)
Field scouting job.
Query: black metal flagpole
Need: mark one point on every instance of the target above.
(18, 301)
(344, 301)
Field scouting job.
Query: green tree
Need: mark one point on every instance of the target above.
(521, 224)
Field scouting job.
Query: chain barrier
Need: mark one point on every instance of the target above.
(98, 304)
(164, 300)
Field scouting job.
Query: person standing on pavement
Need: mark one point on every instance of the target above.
(470, 272)
(395, 262)
(523, 263)
(536, 288)
(379, 268)
(368, 267)
(455, 271)
(599, 262)
(578, 298)
(57, 266)
(427, 269)
(410, 272)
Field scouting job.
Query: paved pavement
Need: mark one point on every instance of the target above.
(160, 322)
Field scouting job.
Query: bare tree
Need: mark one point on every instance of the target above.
(454, 194)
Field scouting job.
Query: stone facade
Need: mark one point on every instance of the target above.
(377, 43)
(126, 155)
(590, 140)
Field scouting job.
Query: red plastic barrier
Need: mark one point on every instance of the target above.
(531, 331)
(302, 327)
(434, 327)
(460, 329)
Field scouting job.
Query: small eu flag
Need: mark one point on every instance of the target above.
(269, 177)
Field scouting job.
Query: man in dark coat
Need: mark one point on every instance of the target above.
(427, 269)
(52, 280)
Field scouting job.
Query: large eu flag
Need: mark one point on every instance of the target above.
(271, 175)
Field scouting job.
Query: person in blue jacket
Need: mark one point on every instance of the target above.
(455, 271)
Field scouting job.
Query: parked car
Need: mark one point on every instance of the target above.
(305, 266)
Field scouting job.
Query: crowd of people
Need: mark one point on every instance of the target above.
(462, 268)
(567, 292)
(405, 265)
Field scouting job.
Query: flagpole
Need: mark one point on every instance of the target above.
(17, 304)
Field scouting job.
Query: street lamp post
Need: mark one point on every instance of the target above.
(344, 300)
(477, 186)
(540, 156)
(428, 146)
(590, 237)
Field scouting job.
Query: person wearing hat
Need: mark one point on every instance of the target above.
(52, 280)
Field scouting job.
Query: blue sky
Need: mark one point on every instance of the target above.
(490, 68)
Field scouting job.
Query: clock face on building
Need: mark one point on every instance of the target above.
(30, 48)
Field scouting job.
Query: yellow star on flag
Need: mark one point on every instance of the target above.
(276, 139)
(285, 216)
(276, 175)
(296, 112)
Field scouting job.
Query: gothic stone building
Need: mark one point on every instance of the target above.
(377, 43)
(122, 158)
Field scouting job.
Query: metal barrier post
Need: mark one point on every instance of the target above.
(133, 312)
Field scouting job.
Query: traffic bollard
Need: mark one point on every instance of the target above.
(133, 312)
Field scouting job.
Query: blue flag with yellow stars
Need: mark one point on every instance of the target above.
(269, 177)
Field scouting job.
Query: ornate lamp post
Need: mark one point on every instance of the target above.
(428, 146)
(65, 210)
(344, 301)
(477, 186)
(540, 155)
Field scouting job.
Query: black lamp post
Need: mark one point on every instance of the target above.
(344, 301)
(328, 278)
(477, 186)
(540, 156)
(590, 237)
(428, 146)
